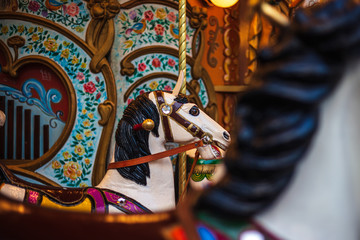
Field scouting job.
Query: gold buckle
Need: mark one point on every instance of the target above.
(191, 132)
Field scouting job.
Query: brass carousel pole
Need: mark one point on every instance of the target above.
(182, 67)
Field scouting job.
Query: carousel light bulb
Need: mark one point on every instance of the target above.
(224, 3)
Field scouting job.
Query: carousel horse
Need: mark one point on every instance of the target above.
(293, 167)
(136, 186)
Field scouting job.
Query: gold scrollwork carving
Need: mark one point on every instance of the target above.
(199, 18)
(16, 42)
(105, 109)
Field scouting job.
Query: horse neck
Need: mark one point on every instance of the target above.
(322, 201)
(158, 194)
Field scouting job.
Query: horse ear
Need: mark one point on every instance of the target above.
(179, 83)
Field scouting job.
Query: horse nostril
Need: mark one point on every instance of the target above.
(226, 136)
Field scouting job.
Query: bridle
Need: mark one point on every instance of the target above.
(166, 112)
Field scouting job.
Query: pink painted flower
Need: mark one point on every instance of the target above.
(141, 67)
(128, 31)
(142, 92)
(80, 76)
(156, 62)
(171, 62)
(97, 79)
(148, 15)
(71, 9)
(98, 95)
(89, 87)
(33, 6)
(159, 29)
(171, 16)
(129, 101)
(167, 88)
(132, 15)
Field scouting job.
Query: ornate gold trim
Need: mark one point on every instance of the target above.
(230, 88)
(33, 175)
(105, 109)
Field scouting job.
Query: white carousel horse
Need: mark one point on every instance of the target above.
(148, 185)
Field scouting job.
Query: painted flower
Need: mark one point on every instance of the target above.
(122, 17)
(167, 88)
(132, 15)
(33, 6)
(141, 91)
(79, 29)
(71, 9)
(148, 15)
(98, 95)
(66, 155)
(159, 30)
(55, 165)
(88, 132)
(40, 29)
(20, 28)
(90, 143)
(83, 65)
(65, 53)
(30, 47)
(87, 161)
(89, 87)
(44, 13)
(83, 185)
(171, 62)
(5, 29)
(72, 170)
(153, 85)
(80, 76)
(74, 60)
(79, 149)
(156, 62)
(141, 67)
(30, 30)
(83, 111)
(171, 16)
(160, 13)
(91, 115)
(97, 79)
(51, 45)
(86, 123)
(65, 43)
(79, 136)
(129, 101)
(128, 43)
(35, 37)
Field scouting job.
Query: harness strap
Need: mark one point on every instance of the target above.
(164, 118)
(149, 158)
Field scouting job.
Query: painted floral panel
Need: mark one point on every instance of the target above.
(149, 24)
(72, 166)
(72, 14)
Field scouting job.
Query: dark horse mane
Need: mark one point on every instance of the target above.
(133, 144)
(278, 118)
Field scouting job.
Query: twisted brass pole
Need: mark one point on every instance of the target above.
(182, 67)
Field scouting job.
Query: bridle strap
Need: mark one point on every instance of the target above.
(156, 156)
(164, 119)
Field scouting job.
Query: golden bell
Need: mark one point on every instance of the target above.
(148, 124)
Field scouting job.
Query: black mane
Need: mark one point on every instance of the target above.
(133, 144)
(278, 118)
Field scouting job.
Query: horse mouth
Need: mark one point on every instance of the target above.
(215, 151)
(221, 146)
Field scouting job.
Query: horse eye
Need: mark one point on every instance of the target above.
(194, 111)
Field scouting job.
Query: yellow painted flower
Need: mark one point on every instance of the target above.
(79, 29)
(65, 43)
(90, 143)
(21, 28)
(79, 149)
(160, 13)
(79, 136)
(40, 29)
(83, 185)
(35, 37)
(128, 43)
(83, 111)
(83, 65)
(55, 165)
(87, 161)
(31, 29)
(67, 155)
(5, 29)
(91, 115)
(30, 47)
(72, 170)
(65, 53)
(153, 85)
(86, 123)
(88, 132)
(74, 60)
(122, 17)
(51, 44)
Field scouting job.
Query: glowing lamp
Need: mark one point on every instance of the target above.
(223, 3)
